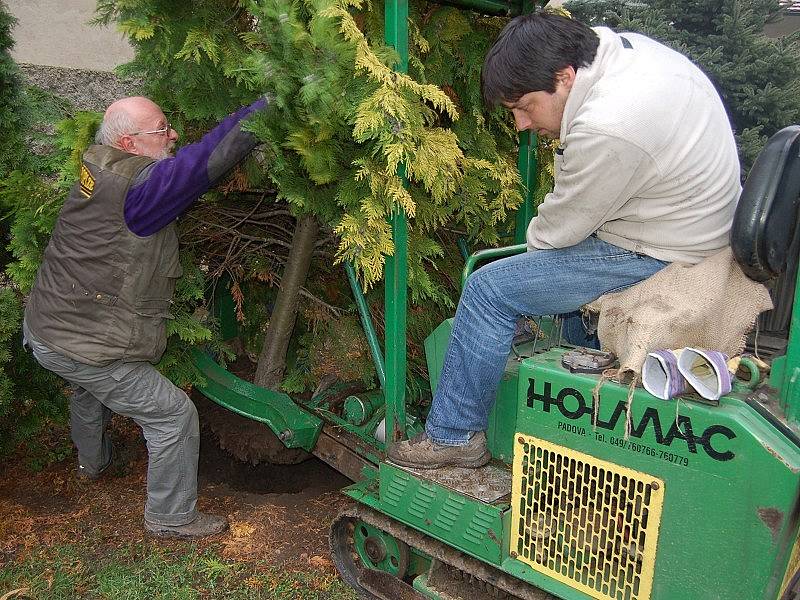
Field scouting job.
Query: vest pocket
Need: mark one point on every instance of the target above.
(154, 308)
(170, 271)
(148, 334)
(169, 264)
(151, 298)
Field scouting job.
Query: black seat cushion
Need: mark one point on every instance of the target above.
(765, 224)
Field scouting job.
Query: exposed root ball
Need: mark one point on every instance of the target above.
(247, 440)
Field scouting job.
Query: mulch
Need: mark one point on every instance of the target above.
(278, 514)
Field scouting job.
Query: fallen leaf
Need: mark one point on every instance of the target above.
(319, 561)
(242, 530)
(254, 582)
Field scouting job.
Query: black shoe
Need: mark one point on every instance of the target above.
(203, 525)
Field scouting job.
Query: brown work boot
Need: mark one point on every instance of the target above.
(203, 525)
(420, 452)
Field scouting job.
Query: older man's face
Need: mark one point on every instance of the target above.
(155, 137)
(152, 134)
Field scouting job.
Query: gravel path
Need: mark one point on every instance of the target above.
(84, 89)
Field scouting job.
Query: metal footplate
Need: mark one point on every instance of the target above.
(489, 483)
(452, 574)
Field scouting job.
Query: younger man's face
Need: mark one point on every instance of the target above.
(542, 112)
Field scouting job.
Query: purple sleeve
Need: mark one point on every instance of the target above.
(163, 190)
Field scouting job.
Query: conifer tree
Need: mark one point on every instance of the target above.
(341, 122)
(11, 110)
(10, 153)
(30, 397)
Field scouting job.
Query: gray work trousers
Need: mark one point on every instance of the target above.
(164, 412)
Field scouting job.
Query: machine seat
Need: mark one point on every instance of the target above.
(764, 234)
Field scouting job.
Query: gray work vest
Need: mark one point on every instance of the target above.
(102, 293)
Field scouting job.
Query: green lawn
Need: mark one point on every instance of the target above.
(151, 572)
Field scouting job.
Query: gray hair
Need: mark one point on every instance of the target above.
(113, 127)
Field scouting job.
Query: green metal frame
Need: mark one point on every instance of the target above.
(366, 323)
(489, 254)
(527, 163)
(491, 7)
(396, 269)
(786, 374)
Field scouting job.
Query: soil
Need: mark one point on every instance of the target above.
(279, 514)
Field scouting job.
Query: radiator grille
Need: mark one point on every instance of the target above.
(586, 522)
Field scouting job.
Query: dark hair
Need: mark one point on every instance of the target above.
(528, 53)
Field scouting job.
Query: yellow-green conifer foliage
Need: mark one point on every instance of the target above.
(343, 126)
(356, 126)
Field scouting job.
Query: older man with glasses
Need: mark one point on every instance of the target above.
(97, 312)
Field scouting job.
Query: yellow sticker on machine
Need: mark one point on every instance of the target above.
(588, 523)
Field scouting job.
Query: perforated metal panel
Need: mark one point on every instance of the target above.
(586, 522)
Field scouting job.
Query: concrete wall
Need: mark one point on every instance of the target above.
(56, 33)
(789, 24)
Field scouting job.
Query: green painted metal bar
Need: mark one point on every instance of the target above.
(396, 301)
(790, 386)
(225, 309)
(396, 23)
(463, 248)
(528, 170)
(295, 427)
(366, 323)
(396, 278)
(489, 254)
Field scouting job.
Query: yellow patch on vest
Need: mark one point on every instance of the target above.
(87, 182)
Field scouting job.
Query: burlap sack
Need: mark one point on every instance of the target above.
(711, 305)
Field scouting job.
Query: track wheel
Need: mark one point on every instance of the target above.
(356, 546)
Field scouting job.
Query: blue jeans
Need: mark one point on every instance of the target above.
(541, 282)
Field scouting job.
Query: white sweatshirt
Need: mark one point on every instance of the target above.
(649, 161)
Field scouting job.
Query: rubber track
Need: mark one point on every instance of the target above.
(519, 590)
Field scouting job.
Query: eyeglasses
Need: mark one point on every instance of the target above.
(163, 131)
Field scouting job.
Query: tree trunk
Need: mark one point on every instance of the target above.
(272, 360)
